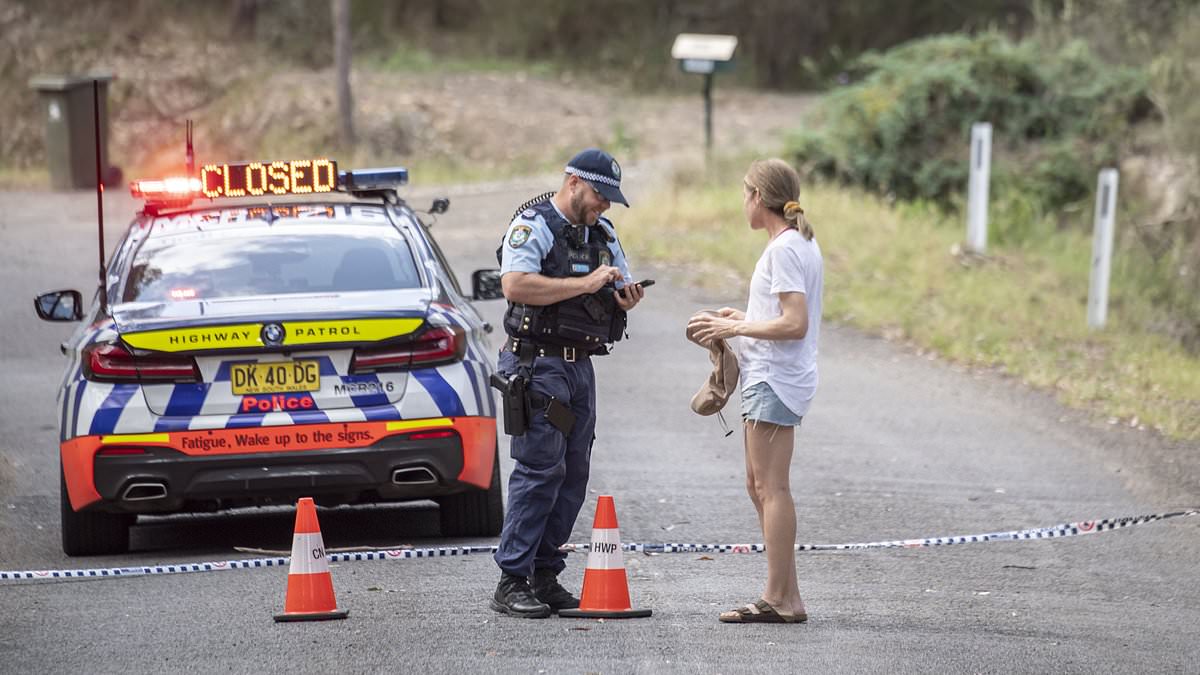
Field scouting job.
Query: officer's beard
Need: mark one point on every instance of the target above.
(579, 212)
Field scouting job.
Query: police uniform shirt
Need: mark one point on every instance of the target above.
(529, 239)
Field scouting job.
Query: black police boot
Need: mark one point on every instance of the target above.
(513, 597)
(547, 589)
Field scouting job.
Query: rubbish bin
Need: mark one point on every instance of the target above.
(70, 129)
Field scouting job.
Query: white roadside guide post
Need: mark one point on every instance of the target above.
(1102, 243)
(977, 186)
(704, 55)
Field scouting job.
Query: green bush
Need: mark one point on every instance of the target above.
(902, 127)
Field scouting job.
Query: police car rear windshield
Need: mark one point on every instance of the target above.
(196, 268)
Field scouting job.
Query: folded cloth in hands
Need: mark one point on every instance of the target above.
(722, 381)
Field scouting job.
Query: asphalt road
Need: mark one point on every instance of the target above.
(896, 446)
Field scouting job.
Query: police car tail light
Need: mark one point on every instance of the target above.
(439, 345)
(108, 362)
(433, 347)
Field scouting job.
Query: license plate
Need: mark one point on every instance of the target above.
(275, 377)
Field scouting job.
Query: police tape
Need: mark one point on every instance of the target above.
(249, 563)
(1052, 532)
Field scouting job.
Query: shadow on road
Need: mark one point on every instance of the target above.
(270, 529)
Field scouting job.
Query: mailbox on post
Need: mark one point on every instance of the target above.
(71, 108)
(705, 55)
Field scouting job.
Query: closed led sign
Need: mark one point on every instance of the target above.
(254, 179)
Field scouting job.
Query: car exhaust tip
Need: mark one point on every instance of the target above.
(141, 492)
(414, 476)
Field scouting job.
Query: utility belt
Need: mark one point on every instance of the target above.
(519, 403)
(568, 354)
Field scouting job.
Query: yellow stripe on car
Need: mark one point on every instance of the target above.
(249, 335)
(420, 424)
(205, 337)
(371, 330)
(136, 438)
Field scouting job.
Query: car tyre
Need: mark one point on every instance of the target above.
(92, 532)
(475, 513)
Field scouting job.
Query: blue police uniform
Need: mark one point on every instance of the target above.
(549, 481)
(550, 390)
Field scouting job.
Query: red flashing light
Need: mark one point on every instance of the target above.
(173, 189)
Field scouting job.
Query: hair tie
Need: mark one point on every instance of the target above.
(793, 206)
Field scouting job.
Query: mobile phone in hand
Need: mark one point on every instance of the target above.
(643, 283)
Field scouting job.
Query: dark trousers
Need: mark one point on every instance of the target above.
(549, 481)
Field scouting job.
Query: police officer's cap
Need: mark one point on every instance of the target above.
(601, 171)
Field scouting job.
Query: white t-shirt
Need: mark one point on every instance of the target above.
(790, 263)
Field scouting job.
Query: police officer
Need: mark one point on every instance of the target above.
(568, 287)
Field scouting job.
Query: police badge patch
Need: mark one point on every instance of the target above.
(605, 257)
(519, 235)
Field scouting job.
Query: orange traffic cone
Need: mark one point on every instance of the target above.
(310, 586)
(605, 587)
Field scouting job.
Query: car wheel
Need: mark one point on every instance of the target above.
(475, 513)
(91, 533)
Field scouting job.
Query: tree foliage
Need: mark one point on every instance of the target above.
(1102, 83)
(782, 43)
(902, 127)
(1160, 237)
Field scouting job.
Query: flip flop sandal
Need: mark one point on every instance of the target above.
(759, 611)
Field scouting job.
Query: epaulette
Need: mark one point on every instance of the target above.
(532, 202)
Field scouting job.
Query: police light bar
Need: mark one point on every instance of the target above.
(365, 180)
(264, 179)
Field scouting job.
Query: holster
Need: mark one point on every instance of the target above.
(514, 402)
(519, 401)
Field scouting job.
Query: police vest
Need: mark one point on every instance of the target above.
(589, 321)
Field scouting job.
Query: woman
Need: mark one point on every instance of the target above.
(777, 355)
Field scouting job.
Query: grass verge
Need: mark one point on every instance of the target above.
(898, 271)
(12, 178)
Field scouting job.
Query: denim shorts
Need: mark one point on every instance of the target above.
(759, 403)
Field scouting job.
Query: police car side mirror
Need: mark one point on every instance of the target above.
(440, 205)
(485, 285)
(59, 306)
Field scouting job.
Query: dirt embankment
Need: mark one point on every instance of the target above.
(246, 104)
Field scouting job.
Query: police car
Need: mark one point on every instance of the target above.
(271, 330)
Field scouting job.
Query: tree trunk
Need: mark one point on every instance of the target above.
(342, 56)
(242, 20)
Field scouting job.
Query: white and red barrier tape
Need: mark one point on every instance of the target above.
(1052, 532)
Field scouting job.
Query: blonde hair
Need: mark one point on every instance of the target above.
(778, 185)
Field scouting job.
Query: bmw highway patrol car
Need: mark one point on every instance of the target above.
(271, 330)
